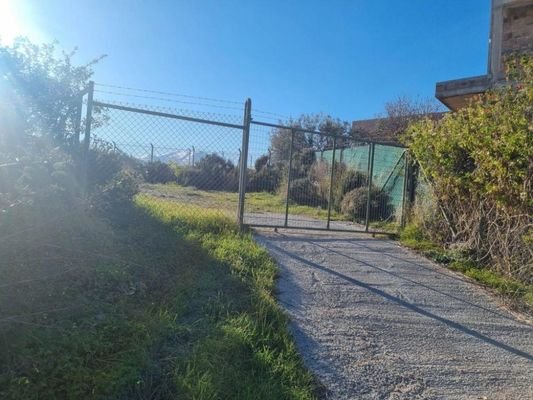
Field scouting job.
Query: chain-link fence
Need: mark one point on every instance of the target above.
(261, 173)
(322, 181)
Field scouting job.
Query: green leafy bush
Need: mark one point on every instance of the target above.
(478, 162)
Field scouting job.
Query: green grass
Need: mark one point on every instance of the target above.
(226, 202)
(519, 294)
(174, 304)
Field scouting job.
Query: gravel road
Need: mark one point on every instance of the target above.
(376, 321)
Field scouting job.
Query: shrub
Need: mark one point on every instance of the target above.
(321, 177)
(114, 200)
(346, 181)
(477, 162)
(211, 173)
(302, 191)
(36, 175)
(354, 204)
(265, 180)
(351, 180)
(104, 162)
(302, 163)
(158, 172)
(261, 163)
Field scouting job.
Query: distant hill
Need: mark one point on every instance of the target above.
(179, 157)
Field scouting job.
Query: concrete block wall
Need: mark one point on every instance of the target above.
(518, 29)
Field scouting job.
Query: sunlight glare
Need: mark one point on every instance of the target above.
(14, 21)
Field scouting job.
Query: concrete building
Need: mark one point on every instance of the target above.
(511, 31)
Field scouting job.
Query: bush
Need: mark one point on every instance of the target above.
(158, 172)
(354, 204)
(302, 163)
(114, 200)
(36, 175)
(104, 163)
(346, 181)
(211, 173)
(302, 191)
(261, 162)
(351, 180)
(265, 180)
(477, 162)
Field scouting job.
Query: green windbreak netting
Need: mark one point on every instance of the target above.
(389, 167)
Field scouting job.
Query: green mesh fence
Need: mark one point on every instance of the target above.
(388, 172)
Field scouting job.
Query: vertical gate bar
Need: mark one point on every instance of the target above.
(331, 180)
(87, 137)
(77, 122)
(405, 177)
(289, 180)
(243, 164)
(369, 193)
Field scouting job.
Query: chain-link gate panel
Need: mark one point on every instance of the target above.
(189, 158)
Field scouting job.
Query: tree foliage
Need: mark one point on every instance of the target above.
(44, 88)
(281, 138)
(402, 112)
(479, 161)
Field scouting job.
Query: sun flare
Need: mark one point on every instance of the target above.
(14, 21)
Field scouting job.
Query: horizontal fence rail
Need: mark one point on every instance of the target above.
(261, 173)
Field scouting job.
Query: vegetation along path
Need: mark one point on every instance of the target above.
(376, 321)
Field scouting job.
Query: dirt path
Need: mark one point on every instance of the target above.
(376, 321)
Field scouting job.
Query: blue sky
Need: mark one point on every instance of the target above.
(343, 58)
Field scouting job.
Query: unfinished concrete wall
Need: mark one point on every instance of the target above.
(511, 31)
(518, 29)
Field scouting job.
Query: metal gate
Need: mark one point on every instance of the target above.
(269, 175)
(326, 182)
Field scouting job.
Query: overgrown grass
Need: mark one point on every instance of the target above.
(519, 294)
(175, 304)
(259, 202)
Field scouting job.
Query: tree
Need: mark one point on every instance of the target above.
(261, 163)
(44, 87)
(281, 138)
(400, 113)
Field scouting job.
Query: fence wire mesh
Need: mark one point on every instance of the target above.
(320, 181)
(190, 157)
(294, 178)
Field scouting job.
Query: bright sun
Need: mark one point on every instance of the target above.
(14, 21)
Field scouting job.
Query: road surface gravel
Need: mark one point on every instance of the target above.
(376, 321)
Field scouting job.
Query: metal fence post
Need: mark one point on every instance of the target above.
(369, 194)
(331, 180)
(404, 196)
(77, 123)
(289, 178)
(243, 164)
(151, 152)
(87, 137)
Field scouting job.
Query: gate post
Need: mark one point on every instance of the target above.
(291, 149)
(330, 200)
(404, 194)
(77, 124)
(370, 173)
(243, 162)
(87, 138)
